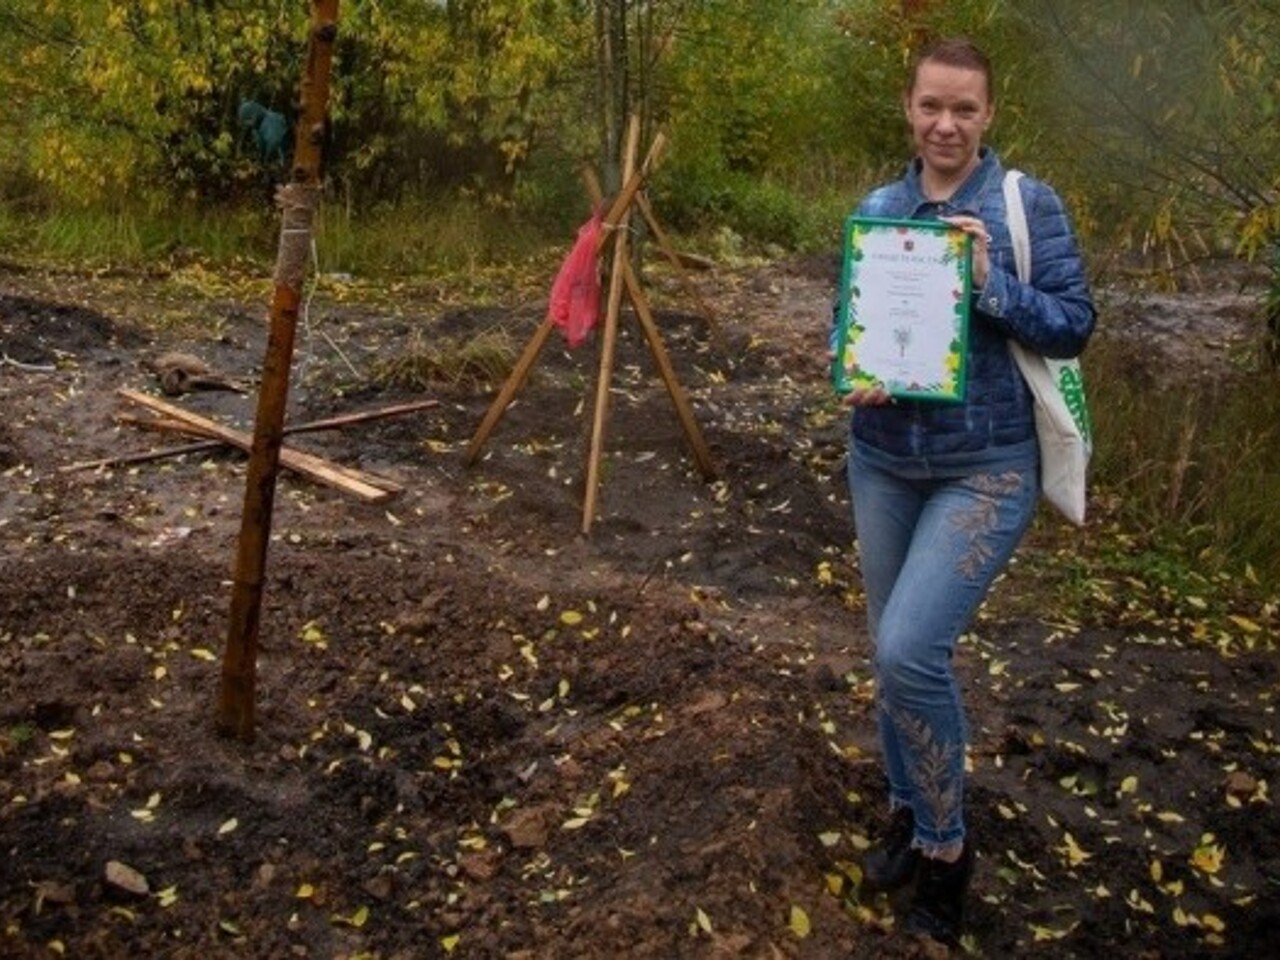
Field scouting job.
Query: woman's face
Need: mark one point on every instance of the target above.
(948, 109)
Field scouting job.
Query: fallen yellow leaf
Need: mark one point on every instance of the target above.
(1244, 623)
(357, 919)
(799, 922)
(311, 633)
(1043, 934)
(1075, 855)
(1208, 857)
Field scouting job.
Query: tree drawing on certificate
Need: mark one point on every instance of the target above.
(902, 337)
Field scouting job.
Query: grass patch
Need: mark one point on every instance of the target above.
(411, 239)
(1194, 462)
(15, 737)
(424, 237)
(138, 237)
(1183, 539)
(478, 361)
(1107, 577)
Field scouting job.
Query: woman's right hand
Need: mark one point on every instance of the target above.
(867, 397)
(863, 396)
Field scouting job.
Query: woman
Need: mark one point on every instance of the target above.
(942, 494)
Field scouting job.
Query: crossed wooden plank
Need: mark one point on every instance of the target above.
(365, 486)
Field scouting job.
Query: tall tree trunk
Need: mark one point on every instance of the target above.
(613, 68)
(913, 16)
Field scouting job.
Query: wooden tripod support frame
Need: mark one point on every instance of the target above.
(622, 279)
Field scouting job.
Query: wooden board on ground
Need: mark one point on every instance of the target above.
(358, 483)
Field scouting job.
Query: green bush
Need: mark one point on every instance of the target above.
(765, 213)
(771, 214)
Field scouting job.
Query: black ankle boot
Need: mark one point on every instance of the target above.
(937, 909)
(892, 865)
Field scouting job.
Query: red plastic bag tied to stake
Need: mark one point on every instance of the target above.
(575, 294)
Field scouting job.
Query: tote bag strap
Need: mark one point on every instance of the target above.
(1016, 218)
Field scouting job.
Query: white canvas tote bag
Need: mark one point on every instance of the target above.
(1062, 416)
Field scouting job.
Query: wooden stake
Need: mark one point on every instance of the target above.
(653, 336)
(684, 412)
(669, 251)
(235, 716)
(509, 389)
(609, 338)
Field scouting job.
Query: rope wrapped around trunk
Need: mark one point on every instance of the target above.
(297, 202)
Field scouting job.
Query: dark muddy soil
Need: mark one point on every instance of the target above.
(481, 733)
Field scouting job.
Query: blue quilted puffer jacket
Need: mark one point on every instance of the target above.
(1053, 315)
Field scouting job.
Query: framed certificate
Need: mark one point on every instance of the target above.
(903, 320)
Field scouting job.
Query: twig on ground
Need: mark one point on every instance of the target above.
(338, 350)
(6, 360)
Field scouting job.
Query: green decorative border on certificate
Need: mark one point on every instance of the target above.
(903, 319)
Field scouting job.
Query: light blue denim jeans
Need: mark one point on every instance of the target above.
(931, 540)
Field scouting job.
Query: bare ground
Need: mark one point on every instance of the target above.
(483, 734)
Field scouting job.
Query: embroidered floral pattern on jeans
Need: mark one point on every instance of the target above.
(977, 523)
(936, 772)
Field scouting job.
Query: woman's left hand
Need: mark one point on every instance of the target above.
(981, 245)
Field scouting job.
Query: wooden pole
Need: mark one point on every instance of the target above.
(609, 338)
(669, 251)
(509, 389)
(684, 411)
(298, 200)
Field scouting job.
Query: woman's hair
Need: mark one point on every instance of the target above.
(953, 52)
